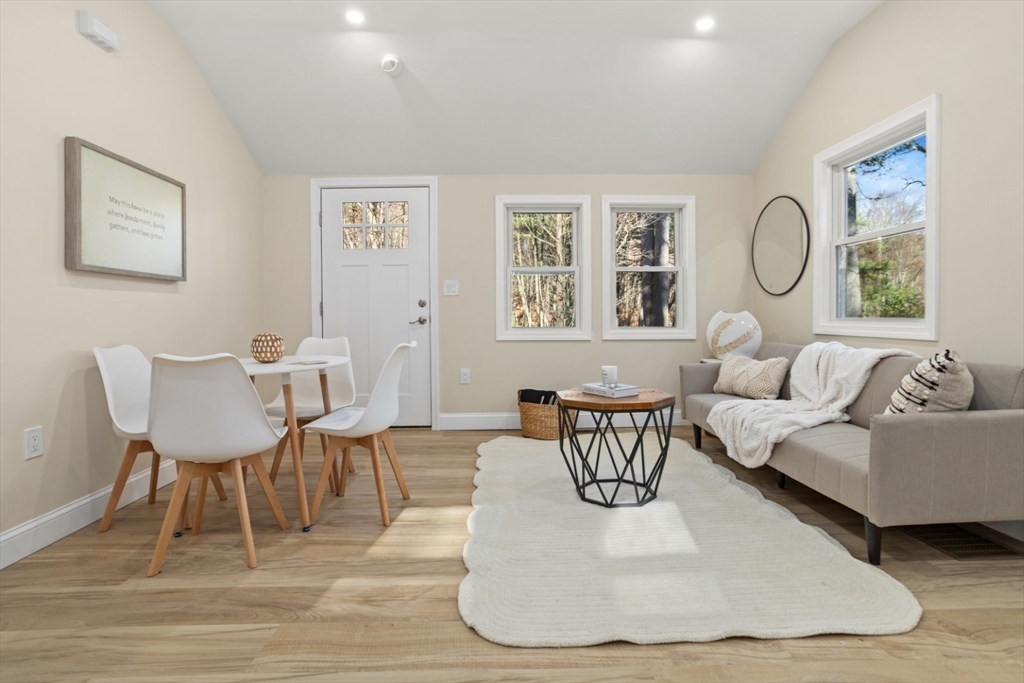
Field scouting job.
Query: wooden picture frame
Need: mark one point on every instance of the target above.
(120, 217)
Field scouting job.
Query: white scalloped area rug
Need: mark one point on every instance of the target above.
(710, 558)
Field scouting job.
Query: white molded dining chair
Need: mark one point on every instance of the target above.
(306, 392)
(205, 413)
(365, 427)
(125, 373)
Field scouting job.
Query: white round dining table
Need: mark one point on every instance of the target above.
(285, 368)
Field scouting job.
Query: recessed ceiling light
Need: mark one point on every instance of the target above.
(354, 16)
(705, 24)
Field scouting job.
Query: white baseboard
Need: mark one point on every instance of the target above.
(35, 534)
(471, 421)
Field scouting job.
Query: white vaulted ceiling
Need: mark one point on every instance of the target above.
(508, 87)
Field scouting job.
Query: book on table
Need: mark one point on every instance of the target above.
(618, 391)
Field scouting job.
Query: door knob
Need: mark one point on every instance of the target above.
(419, 321)
(422, 303)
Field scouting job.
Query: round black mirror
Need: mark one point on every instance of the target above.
(780, 245)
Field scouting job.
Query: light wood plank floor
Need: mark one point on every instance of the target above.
(351, 601)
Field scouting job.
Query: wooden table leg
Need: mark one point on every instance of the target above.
(325, 394)
(293, 429)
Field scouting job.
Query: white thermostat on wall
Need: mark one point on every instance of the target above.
(98, 32)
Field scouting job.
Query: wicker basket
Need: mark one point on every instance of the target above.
(538, 420)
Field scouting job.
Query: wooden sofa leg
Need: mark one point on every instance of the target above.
(873, 534)
(696, 436)
(780, 479)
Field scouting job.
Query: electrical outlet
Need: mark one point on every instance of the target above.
(451, 287)
(464, 376)
(33, 442)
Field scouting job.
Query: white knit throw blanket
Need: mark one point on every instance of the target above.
(825, 379)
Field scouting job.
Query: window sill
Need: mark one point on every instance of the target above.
(647, 333)
(919, 331)
(541, 334)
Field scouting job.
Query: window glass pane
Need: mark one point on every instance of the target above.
(542, 239)
(887, 189)
(644, 238)
(375, 212)
(398, 212)
(375, 238)
(352, 238)
(882, 278)
(351, 213)
(645, 299)
(398, 238)
(543, 300)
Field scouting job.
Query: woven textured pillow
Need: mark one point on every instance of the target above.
(742, 376)
(937, 384)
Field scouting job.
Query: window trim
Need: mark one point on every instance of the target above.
(503, 205)
(686, 265)
(922, 117)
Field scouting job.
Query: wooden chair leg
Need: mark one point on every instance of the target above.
(278, 457)
(333, 481)
(243, 512)
(346, 460)
(221, 493)
(389, 447)
(336, 474)
(268, 490)
(326, 472)
(184, 518)
(154, 476)
(302, 442)
(172, 516)
(200, 503)
(130, 453)
(378, 477)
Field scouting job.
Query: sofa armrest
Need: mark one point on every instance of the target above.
(696, 378)
(936, 468)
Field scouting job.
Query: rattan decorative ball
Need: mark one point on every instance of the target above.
(268, 347)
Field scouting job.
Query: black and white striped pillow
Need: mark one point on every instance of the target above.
(937, 384)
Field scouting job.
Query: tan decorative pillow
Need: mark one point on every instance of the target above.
(742, 376)
(937, 384)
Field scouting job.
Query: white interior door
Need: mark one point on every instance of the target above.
(375, 258)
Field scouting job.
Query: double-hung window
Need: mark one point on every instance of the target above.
(542, 259)
(876, 201)
(649, 267)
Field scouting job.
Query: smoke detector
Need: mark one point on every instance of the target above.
(391, 64)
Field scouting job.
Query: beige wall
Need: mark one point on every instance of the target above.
(466, 253)
(972, 54)
(151, 104)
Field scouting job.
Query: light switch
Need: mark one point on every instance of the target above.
(451, 287)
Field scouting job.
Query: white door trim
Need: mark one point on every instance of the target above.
(316, 280)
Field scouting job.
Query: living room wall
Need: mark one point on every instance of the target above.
(150, 103)
(466, 253)
(971, 54)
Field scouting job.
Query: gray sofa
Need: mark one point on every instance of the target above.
(899, 469)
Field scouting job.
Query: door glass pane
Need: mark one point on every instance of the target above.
(351, 213)
(542, 239)
(352, 238)
(645, 238)
(398, 238)
(375, 212)
(375, 238)
(887, 189)
(544, 300)
(882, 278)
(645, 299)
(398, 212)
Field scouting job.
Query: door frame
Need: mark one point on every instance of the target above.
(316, 185)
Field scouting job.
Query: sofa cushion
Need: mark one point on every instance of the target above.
(750, 378)
(877, 392)
(997, 387)
(699, 405)
(938, 384)
(831, 459)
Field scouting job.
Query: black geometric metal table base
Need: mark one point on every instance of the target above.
(605, 471)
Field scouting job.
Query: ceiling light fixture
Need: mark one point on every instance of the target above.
(354, 16)
(705, 24)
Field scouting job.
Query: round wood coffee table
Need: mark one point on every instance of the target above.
(605, 472)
